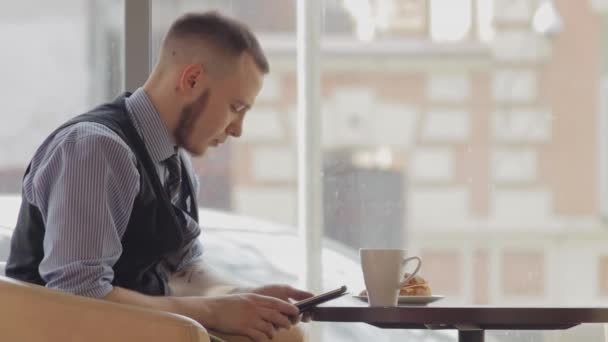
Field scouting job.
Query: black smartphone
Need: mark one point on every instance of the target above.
(311, 302)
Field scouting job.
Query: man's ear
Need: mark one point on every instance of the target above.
(191, 79)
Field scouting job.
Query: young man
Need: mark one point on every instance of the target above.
(109, 199)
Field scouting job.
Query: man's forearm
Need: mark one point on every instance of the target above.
(249, 315)
(200, 279)
(125, 296)
(163, 303)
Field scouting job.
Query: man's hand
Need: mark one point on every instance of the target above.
(284, 292)
(251, 315)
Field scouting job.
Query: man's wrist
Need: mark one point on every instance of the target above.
(201, 310)
(241, 289)
(220, 290)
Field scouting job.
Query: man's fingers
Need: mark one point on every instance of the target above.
(286, 308)
(295, 320)
(276, 318)
(256, 335)
(266, 328)
(298, 294)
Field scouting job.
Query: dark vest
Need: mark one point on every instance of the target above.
(155, 234)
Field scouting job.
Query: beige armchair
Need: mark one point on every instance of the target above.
(34, 313)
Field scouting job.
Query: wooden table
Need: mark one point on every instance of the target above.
(470, 321)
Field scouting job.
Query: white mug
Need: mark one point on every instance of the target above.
(383, 270)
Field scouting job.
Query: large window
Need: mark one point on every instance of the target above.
(474, 146)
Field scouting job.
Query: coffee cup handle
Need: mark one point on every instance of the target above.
(413, 274)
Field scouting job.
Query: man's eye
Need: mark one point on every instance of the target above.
(238, 109)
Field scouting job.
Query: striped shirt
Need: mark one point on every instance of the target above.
(84, 181)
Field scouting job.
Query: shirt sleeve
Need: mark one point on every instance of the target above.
(85, 189)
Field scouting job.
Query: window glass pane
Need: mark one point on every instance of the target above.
(450, 19)
(57, 61)
(485, 28)
(366, 20)
(484, 159)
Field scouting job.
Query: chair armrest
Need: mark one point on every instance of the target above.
(34, 313)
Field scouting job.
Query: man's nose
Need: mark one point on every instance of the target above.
(235, 129)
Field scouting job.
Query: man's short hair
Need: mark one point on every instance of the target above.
(219, 32)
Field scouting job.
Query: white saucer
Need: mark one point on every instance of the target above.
(410, 299)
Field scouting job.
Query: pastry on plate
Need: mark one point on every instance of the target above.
(416, 286)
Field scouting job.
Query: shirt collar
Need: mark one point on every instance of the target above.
(153, 131)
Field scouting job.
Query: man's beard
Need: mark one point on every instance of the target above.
(187, 119)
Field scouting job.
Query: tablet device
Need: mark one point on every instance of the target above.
(311, 302)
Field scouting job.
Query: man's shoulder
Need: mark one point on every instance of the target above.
(88, 133)
(80, 149)
(82, 138)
